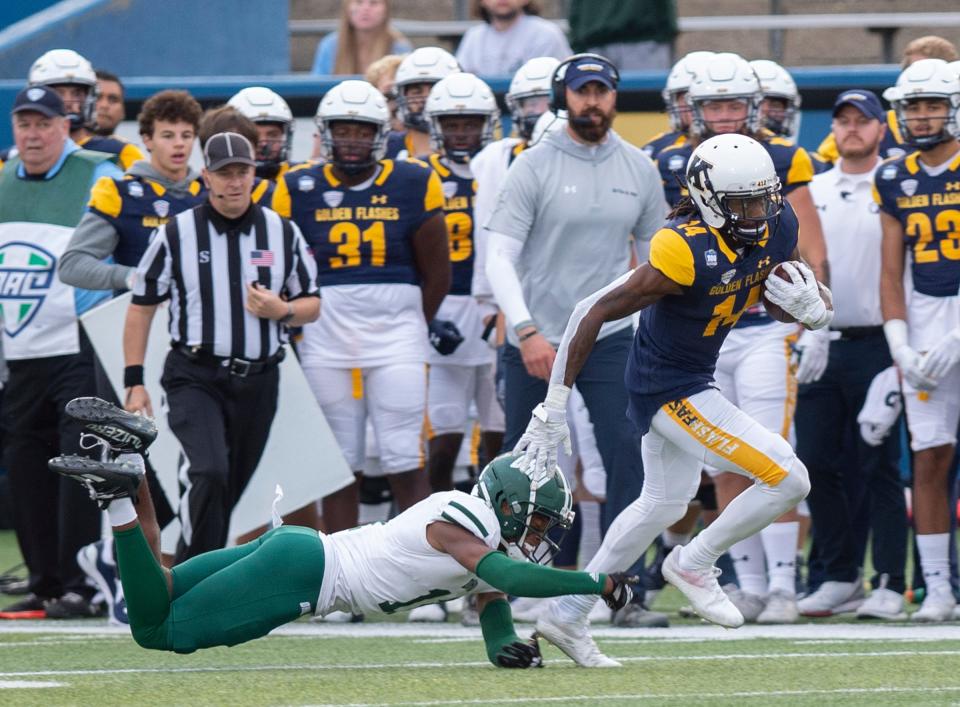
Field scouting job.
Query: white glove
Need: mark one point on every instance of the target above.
(800, 296)
(811, 354)
(944, 355)
(881, 408)
(908, 361)
(537, 448)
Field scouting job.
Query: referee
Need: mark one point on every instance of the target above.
(236, 275)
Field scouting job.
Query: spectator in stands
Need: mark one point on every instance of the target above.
(364, 36)
(511, 35)
(109, 110)
(633, 34)
(561, 227)
(381, 74)
(849, 475)
(929, 47)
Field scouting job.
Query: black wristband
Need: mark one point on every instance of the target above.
(132, 375)
(524, 337)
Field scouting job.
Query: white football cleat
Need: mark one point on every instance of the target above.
(832, 598)
(703, 591)
(937, 606)
(527, 609)
(748, 604)
(574, 639)
(781, 608)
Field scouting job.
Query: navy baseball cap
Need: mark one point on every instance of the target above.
(864, 101)
(39, 99)
(591, 68)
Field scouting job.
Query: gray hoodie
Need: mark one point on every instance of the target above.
(95, 239)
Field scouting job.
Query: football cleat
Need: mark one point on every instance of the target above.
(103, 575)
(574, 639)
(106, 481)
(749, 604)
(703, 591)
(781, 608)
(938, 606)
(123, 431)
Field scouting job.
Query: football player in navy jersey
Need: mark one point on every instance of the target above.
(416, 75)
(754, 368)
(463, 116)
(377, 230)
(708, 264)
(675, 100)
(73, 77)
(919, 198)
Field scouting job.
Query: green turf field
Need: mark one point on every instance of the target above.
(389, 663)
(377, 665)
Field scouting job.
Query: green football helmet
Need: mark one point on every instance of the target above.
(526, 515)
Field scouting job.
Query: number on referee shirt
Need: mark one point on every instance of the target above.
(349, 241)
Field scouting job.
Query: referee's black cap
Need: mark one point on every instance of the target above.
(39, 99)
(224, 149)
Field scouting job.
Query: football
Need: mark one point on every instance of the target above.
(775, 311)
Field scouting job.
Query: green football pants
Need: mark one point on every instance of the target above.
(220, 598)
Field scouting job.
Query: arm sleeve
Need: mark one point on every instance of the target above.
(503, 253)
(496, 623)
(525, 579)
(152, 284)
(302, 280)
(82, 263)
(579, 312)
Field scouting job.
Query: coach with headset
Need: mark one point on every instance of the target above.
(562, 230)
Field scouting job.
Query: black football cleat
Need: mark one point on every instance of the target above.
(106, 481)
(123, 431)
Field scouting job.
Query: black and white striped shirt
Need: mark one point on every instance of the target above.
(202, 263)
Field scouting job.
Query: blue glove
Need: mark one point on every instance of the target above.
(444, 336)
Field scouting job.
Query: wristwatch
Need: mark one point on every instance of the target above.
(289, 315)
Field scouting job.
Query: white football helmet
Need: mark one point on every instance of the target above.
(461, 94)
(776, 82)
(356, 102)
(261, 105)
(733, 184)
(59, 67)
(725, 77)
(423, 65)
(955, 67)
(678, 83)
(532, 80)
(927, 78)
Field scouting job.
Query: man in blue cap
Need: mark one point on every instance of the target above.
(836, 369)
(43, 193)
(573, 211)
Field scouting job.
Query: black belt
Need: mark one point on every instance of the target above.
(859, 332)
(239, 367)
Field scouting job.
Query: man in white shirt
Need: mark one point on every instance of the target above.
(511, 34)
(841, 362)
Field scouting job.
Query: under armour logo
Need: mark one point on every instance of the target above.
(786, 564)
(953, 186)
(378, 199)
(572, 189)
(763, 263)
(845, 195)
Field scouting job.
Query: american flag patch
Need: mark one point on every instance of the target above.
(261, 258)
